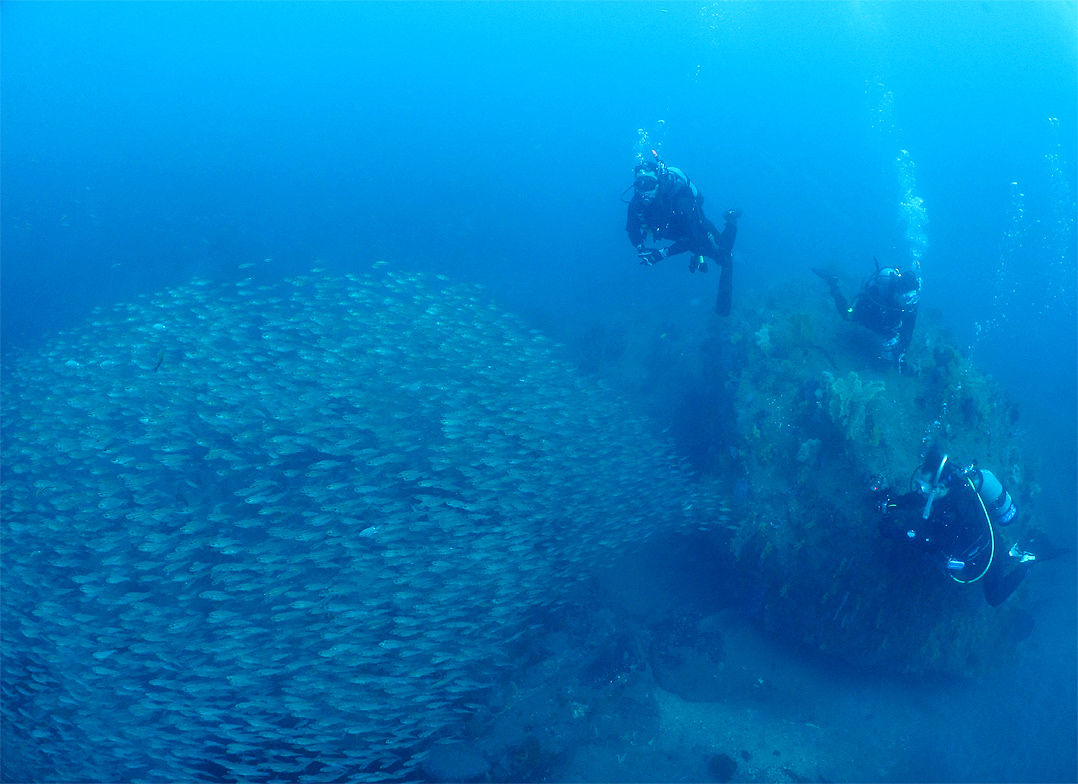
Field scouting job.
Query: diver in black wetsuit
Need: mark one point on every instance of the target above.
(666, 205)
(954, 517)
(887, 305)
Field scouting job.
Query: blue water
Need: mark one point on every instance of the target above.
(147, 143)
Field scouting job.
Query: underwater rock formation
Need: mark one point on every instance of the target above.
(789, 407)
(849, 402)
(285, 531)
(818, 415)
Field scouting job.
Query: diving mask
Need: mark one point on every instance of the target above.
(646, 182)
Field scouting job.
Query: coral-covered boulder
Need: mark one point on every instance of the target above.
(818, 416)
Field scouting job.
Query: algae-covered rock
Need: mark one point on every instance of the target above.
(853, 405)
(817, 414)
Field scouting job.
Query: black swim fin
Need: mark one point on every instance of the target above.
(726, 289)
(830, 277)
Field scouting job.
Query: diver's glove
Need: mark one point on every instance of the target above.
(652, 256)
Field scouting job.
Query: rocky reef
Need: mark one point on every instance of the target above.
(818, 416)
(792, 408)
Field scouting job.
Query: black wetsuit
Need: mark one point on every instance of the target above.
(676, 214)
(881, 308)
(959, 529)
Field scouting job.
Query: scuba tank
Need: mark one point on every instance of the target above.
(996, 499)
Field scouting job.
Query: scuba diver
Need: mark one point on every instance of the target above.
(954, 516)
(887, 305)
(666, 205)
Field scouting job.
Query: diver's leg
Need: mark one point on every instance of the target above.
(721, 251)
(726, 288)
(998, 586)
(841, 304)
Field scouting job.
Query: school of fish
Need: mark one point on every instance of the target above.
(284, 530)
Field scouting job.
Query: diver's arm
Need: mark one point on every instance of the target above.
(893, 514)
(679, 246)
(844, 307)
(911, 500)
(635, 229)
(905, 330)
(901, 520)
(889, 528)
